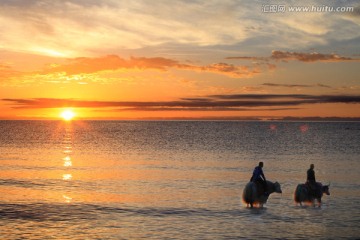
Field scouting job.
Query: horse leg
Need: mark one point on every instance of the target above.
(319, 202)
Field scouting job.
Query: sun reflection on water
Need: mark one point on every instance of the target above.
(67, 176)
(67, 199)
(67, 151)
(67, 161)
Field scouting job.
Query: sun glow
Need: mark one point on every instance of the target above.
(49, 52)
(67, 114)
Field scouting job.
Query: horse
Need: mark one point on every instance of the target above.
(253, 193)
(303, 193)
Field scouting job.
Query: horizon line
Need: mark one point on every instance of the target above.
(214, 118)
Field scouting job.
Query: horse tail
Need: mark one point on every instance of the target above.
(248, 193)
(297, 193)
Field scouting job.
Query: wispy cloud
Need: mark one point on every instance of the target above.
(7, 71)
(85, 65)
(230, 102)
(201, 109)
(81, 27)
(309, 57)
(248, 58)
(296, 85)
(110, 62)
(86, 68)
(87, 28)
(286, 56)
(113, 62)
(234, 71)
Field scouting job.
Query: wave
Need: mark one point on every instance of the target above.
(72, 211)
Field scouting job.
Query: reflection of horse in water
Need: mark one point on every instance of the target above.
(304, 193)
(253, 193)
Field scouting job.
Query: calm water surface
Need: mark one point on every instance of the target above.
(173, 179)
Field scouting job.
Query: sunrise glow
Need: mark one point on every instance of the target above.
(241, 61)
(67, 115)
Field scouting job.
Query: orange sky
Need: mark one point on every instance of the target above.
(145, 60)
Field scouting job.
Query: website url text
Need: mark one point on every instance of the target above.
(277, 8)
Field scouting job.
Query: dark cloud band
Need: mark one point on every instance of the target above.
(232, 102)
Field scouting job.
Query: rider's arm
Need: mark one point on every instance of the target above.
(262, 174)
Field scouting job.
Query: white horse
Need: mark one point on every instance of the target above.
(303, 193)
(254, 195)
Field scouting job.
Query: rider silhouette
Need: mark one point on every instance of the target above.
(311, 174)
(311, 181)
(259, 177)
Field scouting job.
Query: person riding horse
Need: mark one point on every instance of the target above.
(258, 177)
(311, 181)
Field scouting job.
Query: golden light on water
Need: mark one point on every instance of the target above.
(67, 161)
(67, 176)
(67, 198)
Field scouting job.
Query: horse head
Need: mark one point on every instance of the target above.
(277, 187)
(325, 189)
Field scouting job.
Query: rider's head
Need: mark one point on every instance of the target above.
(312, 166)
(261, 164)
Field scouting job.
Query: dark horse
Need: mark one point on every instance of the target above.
(253, 193)
(304, 193)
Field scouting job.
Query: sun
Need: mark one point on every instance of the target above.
(67, 115)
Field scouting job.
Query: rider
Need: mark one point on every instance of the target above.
(259, 177)
(310, 179)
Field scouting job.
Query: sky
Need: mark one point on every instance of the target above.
(141, 59)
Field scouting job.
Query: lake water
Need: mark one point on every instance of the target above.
(174, 179)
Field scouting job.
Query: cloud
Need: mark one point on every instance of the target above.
(309, 57)
(84, 27)
(230, 70)
(286, 56)
(110, 62)
(90, 28)
(86, 69)
(286, 99)
(202, 109)
(356, 11)
(113, 62)
(295, 85)
(230, 102)
(354, 15)
(7, 71)
(248, 58)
